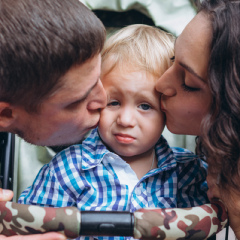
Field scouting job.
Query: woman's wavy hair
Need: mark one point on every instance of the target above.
(220, 141)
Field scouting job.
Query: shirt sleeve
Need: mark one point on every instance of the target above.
(56, 184)
(192, 173)
(192, 184)
(46, 191)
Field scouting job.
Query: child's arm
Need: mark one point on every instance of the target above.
(192, 184)
(56, 184)
(46, 191)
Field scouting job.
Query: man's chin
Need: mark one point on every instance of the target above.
(69, 141)
(56, 142)
(49, 143)
(65, 144)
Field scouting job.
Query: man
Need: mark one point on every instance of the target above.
(50, 90)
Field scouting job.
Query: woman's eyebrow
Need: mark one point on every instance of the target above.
(189, 69)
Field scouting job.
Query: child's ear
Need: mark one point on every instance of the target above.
(7, 116)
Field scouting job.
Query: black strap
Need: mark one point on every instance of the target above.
(6, 160)
(227, 229)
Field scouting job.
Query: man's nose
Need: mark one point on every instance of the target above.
(99, 97)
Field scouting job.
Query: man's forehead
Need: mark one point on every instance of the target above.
(80, 78)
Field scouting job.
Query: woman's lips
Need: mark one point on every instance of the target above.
(124, 138)
(162, 107)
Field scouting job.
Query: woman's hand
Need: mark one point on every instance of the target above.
(5, 195)
(45, 236)
(232, 203)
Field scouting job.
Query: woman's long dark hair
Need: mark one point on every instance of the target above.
(220, 140)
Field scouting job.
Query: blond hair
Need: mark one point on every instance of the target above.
(142, 46)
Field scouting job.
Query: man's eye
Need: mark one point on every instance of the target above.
(145, 106)
(113, 103)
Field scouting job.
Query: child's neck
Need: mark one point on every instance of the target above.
(143, 163)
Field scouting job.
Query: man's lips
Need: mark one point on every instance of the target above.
(94, 126)
(124, 138)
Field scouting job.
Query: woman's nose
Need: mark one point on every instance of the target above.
(165, 84)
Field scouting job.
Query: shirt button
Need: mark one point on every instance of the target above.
(138, 191)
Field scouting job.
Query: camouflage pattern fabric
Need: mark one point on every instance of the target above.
(175, 224)
(19, 219)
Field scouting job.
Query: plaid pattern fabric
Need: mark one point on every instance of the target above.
(91, 177)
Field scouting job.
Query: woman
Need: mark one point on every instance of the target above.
(201, 96)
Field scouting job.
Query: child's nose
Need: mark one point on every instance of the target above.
(126, 118)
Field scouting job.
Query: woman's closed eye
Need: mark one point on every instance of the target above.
(189, 89)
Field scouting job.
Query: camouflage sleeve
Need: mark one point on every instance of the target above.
(19, 219)
(199, 222)
(175, 224)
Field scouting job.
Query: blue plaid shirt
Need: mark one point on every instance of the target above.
(91, 177)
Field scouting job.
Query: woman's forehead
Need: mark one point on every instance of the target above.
(198, 28)
(192, 48)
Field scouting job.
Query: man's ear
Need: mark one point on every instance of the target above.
(7, 116)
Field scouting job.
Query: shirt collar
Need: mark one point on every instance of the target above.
(164, 154)
(93, 151)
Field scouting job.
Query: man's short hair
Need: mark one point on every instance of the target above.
(40, 40)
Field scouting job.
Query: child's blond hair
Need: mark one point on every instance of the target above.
(141, 46)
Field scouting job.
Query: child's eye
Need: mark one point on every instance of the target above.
(145, 106)
(113, 103)
(189, 89)
(172, 58)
